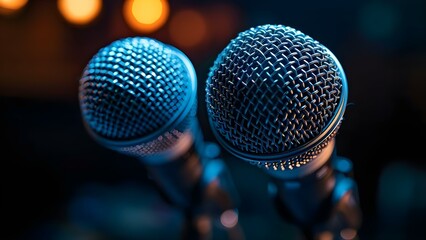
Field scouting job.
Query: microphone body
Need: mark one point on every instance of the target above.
(276, 98)
(138, 97)
(323, 203)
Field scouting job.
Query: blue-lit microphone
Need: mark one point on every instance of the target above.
(138, 97)
(276, 98)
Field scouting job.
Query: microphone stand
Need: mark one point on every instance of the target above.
(323, 203)
(200, 184)
(215, 195)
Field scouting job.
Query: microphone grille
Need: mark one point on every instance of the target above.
(135, 87)
(274, 90)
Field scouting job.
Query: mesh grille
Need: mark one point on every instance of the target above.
(299, 160)
(132, 88)
(271, 90)
(165, 141)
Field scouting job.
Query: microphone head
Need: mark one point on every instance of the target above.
(138, 96)
(275, 97)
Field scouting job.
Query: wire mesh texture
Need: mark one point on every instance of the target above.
(272, 90)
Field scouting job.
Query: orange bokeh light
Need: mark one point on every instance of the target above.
(146, 15)
(79, 12)
(188, 28)
(10, 6)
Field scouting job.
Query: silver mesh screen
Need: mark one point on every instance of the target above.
(134, 87)
(272, 90)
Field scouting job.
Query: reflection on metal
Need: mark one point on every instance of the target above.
(348, 234)
(229, 218)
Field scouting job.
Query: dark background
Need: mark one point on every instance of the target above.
(57, 183)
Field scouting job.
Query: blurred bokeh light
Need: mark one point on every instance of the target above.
(80, 12)
(11, 6)
(224, 21)
(146, 15)
(188, 28)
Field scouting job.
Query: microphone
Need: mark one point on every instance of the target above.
(138, 97)
(275, 98)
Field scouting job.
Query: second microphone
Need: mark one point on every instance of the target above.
(138, 97)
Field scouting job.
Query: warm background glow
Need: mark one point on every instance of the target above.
(146, 15)
(187, 28)
(80, 12)
(9, 6)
